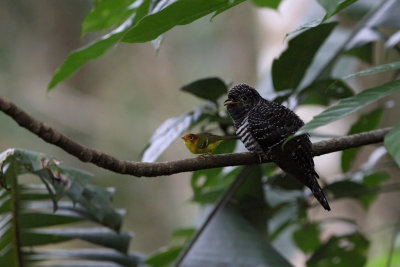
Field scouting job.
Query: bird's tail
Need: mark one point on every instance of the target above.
(319, 195)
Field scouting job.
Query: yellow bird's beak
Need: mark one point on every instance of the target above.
(230, 102)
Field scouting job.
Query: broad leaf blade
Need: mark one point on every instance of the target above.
(97, 48)
(208, 88)
(348, 250)
(324, 91)
(99, 236)
(267, 3)
(392, 143)
(350, 105)
(164, 258)
(375, 70)
(107, 13)
(288, 70)
(242, 244)
(307, 237)
(334, 6)
(99, 255)
(178, 12)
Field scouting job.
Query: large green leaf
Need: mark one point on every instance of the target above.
(334, 6)
(164, 258)
(392, 143)
(179, 12)
(95, 49)
(208, 88)
(143, 25)
(322, 92)
(346, 250)
(100, 236)
(106, 13)
(350, 105)
(363, 52)
(249, 198)
(229, 240)
(92, 257)
(288, 70)
(364, 191)
(208, 185)
(375, 70)
(28, 219)
(365, 122)
(307, 237)
(267, 3)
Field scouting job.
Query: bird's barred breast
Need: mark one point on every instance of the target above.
(242, 130)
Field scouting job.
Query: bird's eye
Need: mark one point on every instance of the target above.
(190, 137)
(244, 98)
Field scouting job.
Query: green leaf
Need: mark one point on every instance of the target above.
(346, 250)
(170, 130)
(363, 52)
(208, 88)
(79, 57)
(97, 48)
(288, 70)
(283, 181)
(334, 6)
(364, 193)
(322, 92)
(307, 237)
(42, 219)
(365, 122)
(164, 257)
(99, 236)
(91, 256)
(242, 244)
(106, 13)
(178, 12)
(374, 180)
(267, 3)
(208, 185)
(392, 143)
(249, 198)
(350, 105)
(331, 7)
(375, 70)
(183, 233)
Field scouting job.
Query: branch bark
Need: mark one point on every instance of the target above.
(103, 160)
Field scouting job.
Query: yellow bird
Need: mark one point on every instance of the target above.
(204, 143)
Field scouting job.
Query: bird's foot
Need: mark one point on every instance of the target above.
(205, 155)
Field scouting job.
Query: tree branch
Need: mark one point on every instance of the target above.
(103, 160)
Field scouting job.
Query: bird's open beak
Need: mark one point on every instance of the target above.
(230, 102)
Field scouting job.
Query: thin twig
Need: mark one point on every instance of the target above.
(106, 161)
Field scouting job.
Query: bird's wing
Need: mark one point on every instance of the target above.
(271, 123)
(203, 142)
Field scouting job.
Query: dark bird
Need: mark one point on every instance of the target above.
(263, 126)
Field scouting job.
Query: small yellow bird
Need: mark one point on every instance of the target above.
(204, 143)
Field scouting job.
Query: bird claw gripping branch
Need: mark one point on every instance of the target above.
(263, 126)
